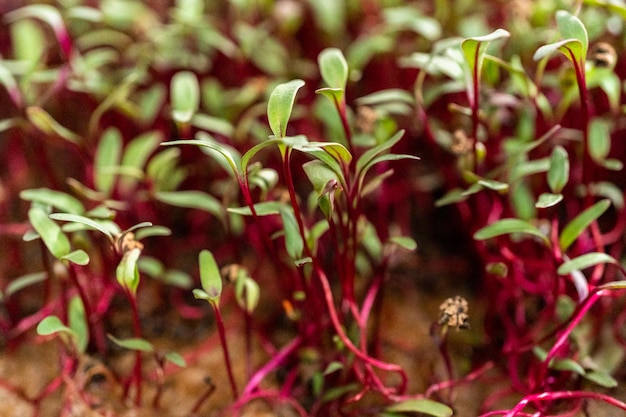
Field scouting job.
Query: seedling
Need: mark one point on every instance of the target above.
(302, 182)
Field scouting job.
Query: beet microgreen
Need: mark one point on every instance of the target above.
(311, 199)
(211, 291)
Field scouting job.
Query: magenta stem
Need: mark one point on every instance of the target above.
(222, 334)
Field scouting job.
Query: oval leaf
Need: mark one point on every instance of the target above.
(192, 199)
(333, 68)
(78, 323)
(280, 105)
(404, 242)
(574, 228)
(571, 27)
(599, 139)
(127, 272)
(601, 378)
(509, 226)
(571, 48)
(51, 325)
(585, 261)
(548, 200)
(24, 281)
(176, 359)
(185, 96)
(78, 257)
(48, 125)
(107, 158)
(424, 406)
(293, 241)
(133, 343)
(86, 221)
(210, 276)
(474, 48)
(558, 174)
(53, 237)
(56, 199)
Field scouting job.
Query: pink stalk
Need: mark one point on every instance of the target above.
(334, 317)
(222, 334)
(560, 395)
(272, 364)
(137, 375)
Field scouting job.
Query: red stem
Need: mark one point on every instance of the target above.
(560, 395)
(137, 376)
(222, 334)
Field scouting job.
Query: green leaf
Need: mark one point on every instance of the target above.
(575, 227)
(293, 241)
(137, 226)
(599, 139)
(424, 406)
(407, 17)
(509, 226)
(334, 367)
(246, 157)
(280, 105)
(86, 221)
(365, 161)
(404, 242)
(210, 276)
(51, 325)
(571, 48)
(149, 231)
(571, 27)
(78, 323)
(334, 69)
(127, 272)
(339, 152)
(232, 158)
(247, 292)
(48, 125)
(325, 182)
(133, 343)
(604, 379)
(176, 359)
(29, 42)
(53, 237)
(78, 257)
(558, 174)
(585, 261)
(613, 164)
(163, 171)
(331, 162)
(499, 269)
(608, 190)
(213, 124)
(185, 96)
(609, 82)
(56, 199)
(107, 157)
(567, 365)
(48, 14)
(192, 199)
(526, 168)
(319, 174)
(548, 200)
(390, 95)
(137, 153)
(474, 48)
(451, 197)
(24, 281)
(493, 184)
